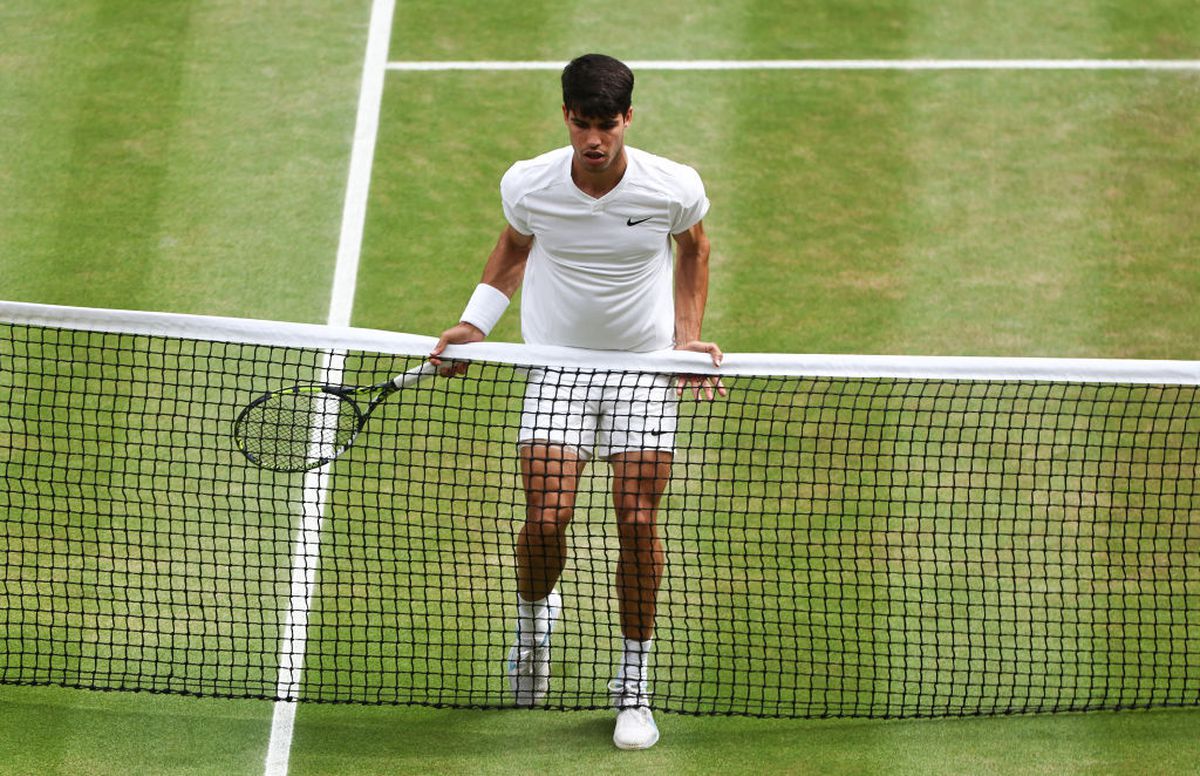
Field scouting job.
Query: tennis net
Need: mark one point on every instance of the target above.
(844, 536)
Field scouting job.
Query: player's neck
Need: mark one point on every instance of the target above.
(597, 184)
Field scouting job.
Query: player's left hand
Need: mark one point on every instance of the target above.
(708, 385)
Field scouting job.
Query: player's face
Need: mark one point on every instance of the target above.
(598, 142)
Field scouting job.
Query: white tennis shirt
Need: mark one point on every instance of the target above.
(600, 271)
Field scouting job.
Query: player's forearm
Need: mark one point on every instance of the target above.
(691, 290)
(505, 266)
(502, 277)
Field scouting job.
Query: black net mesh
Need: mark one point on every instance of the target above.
(833, 547)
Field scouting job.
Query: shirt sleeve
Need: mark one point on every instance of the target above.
(692, 203)
(512, 199)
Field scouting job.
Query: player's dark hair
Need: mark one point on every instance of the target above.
(597, 86)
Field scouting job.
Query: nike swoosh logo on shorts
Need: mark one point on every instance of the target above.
(630, 222)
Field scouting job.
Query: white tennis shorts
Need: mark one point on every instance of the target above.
(599, 413)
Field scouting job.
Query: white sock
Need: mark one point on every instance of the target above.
(635, 662)
(533, 621)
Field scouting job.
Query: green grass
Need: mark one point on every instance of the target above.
(177, 156)
(387, 740)
(97, 733)
(798, 29)
(192, 157)
(50, 732)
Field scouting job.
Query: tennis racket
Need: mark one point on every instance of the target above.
(306, 426)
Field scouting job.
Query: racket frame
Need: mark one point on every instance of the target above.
(342, 393)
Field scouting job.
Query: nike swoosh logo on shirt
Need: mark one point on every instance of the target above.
(631, 222)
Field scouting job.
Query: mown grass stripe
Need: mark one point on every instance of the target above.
(823, 64)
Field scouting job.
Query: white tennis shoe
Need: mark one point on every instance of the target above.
(635, 722)
(529, 667)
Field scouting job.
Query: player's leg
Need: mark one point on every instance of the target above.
(636, 433)
(555, 437)
(551, 478)
(639, 479)
(550, 474)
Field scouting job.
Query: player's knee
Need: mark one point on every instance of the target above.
(635, 507)
(637, 519)
(548, 521)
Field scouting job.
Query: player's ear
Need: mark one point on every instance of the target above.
(566, 115)
(629, 116)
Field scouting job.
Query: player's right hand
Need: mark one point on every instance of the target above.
(461, 334)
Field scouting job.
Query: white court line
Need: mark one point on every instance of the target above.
(307, 547)
(826, 64)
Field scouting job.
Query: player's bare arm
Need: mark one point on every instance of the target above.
(691, 296)
(504, 270)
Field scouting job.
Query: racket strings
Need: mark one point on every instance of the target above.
(298, 429)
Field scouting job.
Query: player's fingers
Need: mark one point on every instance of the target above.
(712, 387)
(451, 368)
(709, 385)
(437, 350)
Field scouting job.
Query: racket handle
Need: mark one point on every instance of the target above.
(414, 375)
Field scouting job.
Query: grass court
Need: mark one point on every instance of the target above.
(192, 157)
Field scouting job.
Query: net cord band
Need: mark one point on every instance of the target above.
(250, 331)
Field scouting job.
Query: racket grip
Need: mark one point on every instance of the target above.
(414, 375)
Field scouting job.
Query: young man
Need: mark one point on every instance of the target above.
(588, 241)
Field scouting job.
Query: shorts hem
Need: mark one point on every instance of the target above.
(580, 453)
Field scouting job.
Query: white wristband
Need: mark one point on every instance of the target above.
(487, 304)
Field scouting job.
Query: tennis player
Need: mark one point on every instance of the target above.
(588, 241)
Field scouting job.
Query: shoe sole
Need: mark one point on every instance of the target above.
(636, 747)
